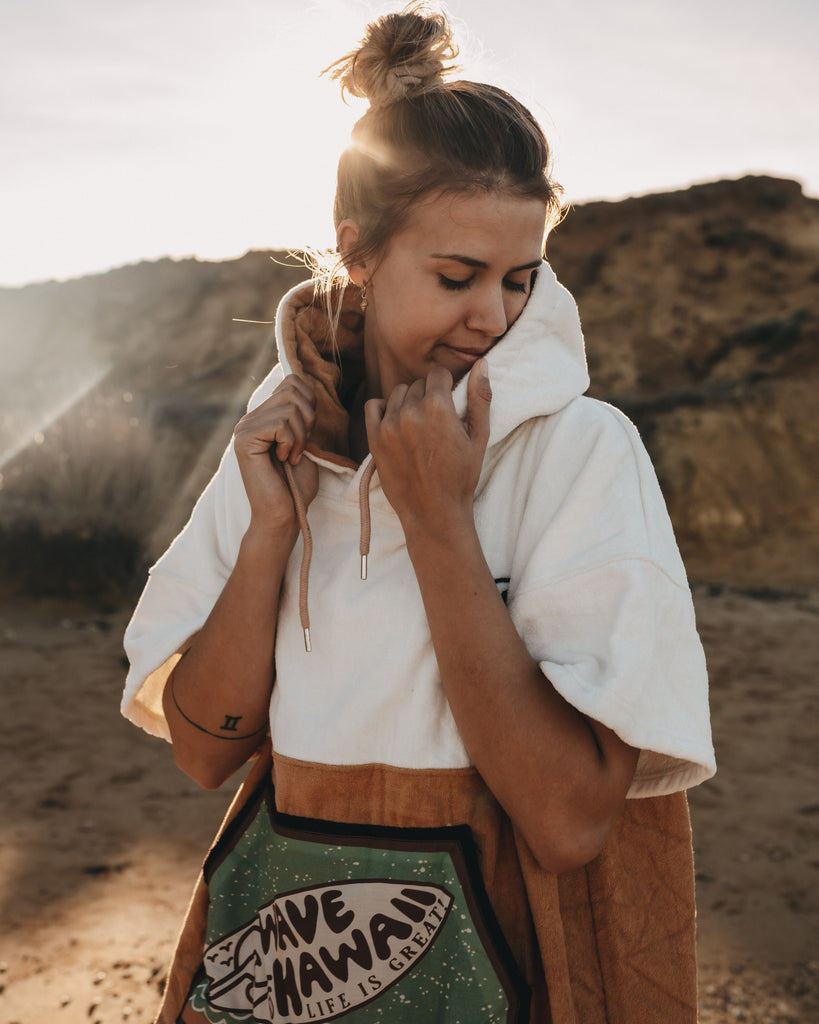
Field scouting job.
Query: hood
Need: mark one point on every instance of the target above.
(535, 369)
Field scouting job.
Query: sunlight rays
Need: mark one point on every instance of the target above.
(190, 486)
(37, 423)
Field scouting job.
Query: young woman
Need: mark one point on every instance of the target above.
(437, 592)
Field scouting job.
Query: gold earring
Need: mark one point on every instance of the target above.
(364, 299)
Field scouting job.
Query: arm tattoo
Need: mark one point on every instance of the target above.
(231, 721)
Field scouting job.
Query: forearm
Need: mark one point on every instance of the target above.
(217, 699)
(559, 776)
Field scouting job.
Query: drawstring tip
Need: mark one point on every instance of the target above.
(363, 567)
(307, 646)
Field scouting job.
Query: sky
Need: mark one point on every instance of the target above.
(136, 129)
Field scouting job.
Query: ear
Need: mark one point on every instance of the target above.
(347, 235)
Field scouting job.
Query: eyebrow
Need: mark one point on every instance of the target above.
(479, 264)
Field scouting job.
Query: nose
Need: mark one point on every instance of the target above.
(487, 313)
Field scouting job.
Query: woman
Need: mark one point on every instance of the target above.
(444, 830)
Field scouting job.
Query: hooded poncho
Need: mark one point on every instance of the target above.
(574, 528)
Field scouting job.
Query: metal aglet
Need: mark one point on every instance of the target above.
(307, 646)
(363, 567)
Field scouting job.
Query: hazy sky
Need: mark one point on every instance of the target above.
(132, 129)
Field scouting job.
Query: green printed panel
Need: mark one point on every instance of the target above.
(303, 929)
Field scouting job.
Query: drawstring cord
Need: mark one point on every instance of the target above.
(304, 526)
(307, 537)
(364, 514)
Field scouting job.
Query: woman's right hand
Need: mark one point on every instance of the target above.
(276, 432)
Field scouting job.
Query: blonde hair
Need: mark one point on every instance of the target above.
(424, 133)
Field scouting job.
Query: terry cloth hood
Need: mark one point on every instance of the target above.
(548, 335)
(537, 368)
(573, 528)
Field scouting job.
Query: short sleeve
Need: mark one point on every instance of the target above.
(599, 596)
(184, 585)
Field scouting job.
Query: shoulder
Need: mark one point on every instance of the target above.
(583, 479)
(590, 416)
(584, 430)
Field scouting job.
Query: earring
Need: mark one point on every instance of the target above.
(364, 299)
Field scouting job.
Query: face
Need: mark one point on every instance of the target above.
(450, 285)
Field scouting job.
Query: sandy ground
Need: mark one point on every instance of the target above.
(101, 837)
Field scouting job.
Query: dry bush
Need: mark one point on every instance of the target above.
(78, 504)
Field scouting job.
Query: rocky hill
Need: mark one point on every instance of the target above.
(701, 314)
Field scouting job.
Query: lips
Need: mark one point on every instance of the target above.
(465, 355)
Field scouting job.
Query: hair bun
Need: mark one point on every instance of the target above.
(401, 55)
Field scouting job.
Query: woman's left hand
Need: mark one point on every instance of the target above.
(429, 461)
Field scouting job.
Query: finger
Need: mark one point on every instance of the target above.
(283, 447)
(292, 436)
(295, 401)
(478, 402)
(416, 390)
(438, 391)
(397, 397)
(280, 430)
(302, 436)
(293, 383)
(374, 410)
(298, 396)
(279, 405)
(439, 379)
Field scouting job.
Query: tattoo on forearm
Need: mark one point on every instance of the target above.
(231, 722)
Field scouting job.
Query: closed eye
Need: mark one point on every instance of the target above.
(515, 286)
(457, 286)
(454, 286)
(523, 286)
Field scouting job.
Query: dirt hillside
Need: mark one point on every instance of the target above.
(701, 314)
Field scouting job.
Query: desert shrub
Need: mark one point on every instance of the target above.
(78, 504)
(103, 565)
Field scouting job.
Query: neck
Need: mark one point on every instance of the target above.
(357, 430)
(372, 367)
